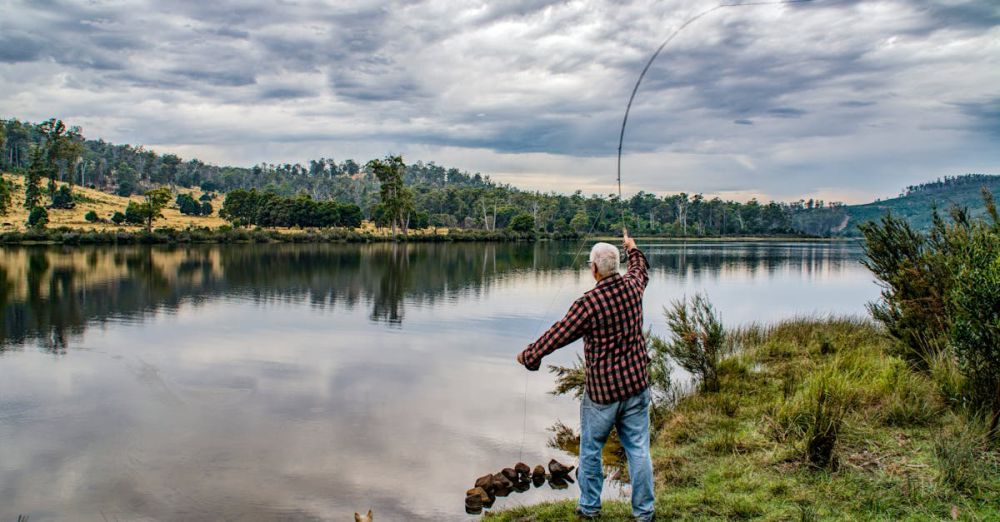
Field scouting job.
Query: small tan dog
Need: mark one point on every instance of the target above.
(366, 518)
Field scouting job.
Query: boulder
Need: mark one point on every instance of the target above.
(559, 470)
(485, 482)
(478, 491)
(501, 486)
(473, 501)
(523, 471)
(510, 475)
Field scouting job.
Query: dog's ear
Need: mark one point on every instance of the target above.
(357, 517)
(369, 515)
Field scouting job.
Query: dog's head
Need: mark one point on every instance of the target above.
(366, 518)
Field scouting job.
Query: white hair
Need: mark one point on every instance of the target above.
(604, 256)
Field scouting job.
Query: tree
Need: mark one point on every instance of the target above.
(6, 194)
(37, 169)
(91, 217)
(38, 217)
(117, 218)
(189, 207)
(522, 223)
(62, 147)
(150, 209)
(396, 199)
(580, 223)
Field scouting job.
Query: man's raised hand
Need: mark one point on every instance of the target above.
(628, 241)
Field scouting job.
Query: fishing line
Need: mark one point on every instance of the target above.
(621, 201)
(635, 89)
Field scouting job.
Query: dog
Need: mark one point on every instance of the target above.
(366, 518)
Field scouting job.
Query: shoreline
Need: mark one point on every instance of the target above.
(226, 235)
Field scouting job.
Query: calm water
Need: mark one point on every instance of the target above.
(312, 381)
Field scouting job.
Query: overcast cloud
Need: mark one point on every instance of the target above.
(838, 99)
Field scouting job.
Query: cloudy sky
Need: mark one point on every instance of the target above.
(838, 99)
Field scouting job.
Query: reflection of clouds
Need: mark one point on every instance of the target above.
(272, 407)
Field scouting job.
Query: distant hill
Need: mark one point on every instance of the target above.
(917, 202)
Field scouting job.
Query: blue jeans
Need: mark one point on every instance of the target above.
(631, 418)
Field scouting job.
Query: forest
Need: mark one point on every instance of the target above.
(434, 195)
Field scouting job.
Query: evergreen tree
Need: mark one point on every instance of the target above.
(37, 169)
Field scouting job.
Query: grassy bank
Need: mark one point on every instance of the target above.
(902, 448)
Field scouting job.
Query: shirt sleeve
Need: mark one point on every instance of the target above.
(566, 330)
(638, 267)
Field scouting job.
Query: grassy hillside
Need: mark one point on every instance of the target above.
(104, 205)
(902, 452)
(917, 204)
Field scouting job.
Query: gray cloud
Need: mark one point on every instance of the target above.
(752, 95)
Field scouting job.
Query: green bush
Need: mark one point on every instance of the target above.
(118, 218)
(38, 217)
(941, 292)
(697, 340)
(91, 217)
(63, 198)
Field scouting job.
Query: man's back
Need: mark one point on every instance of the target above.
(609, 318)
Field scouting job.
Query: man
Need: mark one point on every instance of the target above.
(609, 318)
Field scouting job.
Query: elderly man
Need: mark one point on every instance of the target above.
(609, 318)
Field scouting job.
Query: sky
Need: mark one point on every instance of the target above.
(841, 100)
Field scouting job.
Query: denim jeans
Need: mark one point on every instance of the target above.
(631, 418)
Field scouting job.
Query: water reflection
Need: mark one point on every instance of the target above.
(65, 290)
(312, 381)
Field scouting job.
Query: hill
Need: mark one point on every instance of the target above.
(917, 203)
(104, 205)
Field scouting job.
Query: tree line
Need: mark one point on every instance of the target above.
(401, 196)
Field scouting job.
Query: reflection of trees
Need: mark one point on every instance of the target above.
(67, 290)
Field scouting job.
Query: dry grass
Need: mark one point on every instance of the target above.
(105, 205)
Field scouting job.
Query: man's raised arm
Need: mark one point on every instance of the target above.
(637, 263)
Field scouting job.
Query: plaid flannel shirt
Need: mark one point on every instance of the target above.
(609, 318)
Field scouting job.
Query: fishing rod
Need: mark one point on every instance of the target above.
(621, 140)
(635, 89)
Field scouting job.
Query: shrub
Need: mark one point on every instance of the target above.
(117, 218)
(942, 291)
(522, 223)
(91, 217)
(63, 198)
(38, 217)
(697, 339)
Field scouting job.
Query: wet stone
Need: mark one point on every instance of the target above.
(558, 469)
(523, 471)
(510, 474)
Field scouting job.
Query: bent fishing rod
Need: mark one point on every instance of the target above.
(638, 82)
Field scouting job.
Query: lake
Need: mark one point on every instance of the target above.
(312, 381)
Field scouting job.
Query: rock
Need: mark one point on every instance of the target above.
(485, 482)
(479, 491)
(501, 486)
(539, 471)
(559, 470)
(510, 474)
(523, 471)
(473, 501)
(521, 486)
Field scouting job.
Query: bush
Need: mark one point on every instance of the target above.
(697, 339)
(63, 198)
(522, 223)
(91, 217)
(38, 217)
(941, 291)
(117, 218)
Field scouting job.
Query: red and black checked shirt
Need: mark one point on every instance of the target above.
(609, 318)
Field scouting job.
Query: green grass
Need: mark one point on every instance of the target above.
(902, 451)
